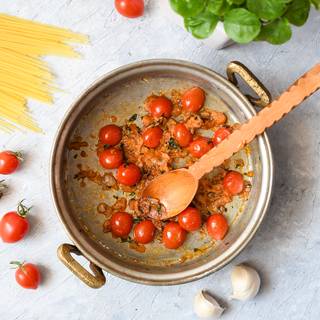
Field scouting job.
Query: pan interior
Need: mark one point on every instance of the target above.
(121, 96)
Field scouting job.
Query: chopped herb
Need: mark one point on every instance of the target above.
(106, 146)
(173, 144)
(196, 250)
(132, 194)
(159, 208)
(133, 117)
(136, 220)
(115, 197)
(129, 240)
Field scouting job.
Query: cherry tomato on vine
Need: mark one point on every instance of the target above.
(9, 161)
(27, 275)
(220, 135)
(152, 137)
(14, 225)
(110, 134)
(130, 8)
(160, 107)
(144, 232)
(128, 174)
(190, 219)
(173, 235)
(233, 183)
(111, 158)
(217, 226)
(199, 146)
(193, 99)
(182, 135)
(121, 224)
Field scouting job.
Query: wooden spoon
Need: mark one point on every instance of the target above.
(176, 189)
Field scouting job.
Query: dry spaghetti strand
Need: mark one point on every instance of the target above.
(23, 74)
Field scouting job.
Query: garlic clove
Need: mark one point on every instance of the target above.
(245, 282)
(205, 306)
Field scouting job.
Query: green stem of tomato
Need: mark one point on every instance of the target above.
(22, 209)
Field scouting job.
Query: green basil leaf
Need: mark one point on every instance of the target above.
(276, 32)
(241, 25)
(236, 2)
(298, 12)
(202, 25)
(267, 9)
(218, 7)
(316, 3)
(188, 8)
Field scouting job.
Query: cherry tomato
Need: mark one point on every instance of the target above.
(121, 224)
(217, 226)
(220, 135)
(14, 225)
(190, 219)
(182, 135)
(173, 235)
(160, 107)
(130, 8)
(27, 275)
(152, 137)
(110, 134)
(193, 99)
(128, 174)
(233, 183)
(9, 161)
(111, 158)
(144, 232)
(200, 146)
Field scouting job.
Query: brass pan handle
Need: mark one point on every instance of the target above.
(252, 81)
(95, 280)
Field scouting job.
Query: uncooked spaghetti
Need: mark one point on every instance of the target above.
(23, 74)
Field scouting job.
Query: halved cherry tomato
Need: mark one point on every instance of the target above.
(220, 135)
(27, 275)
(173, 235)
(128, 174)
(130, 8)
(190, 219)
(111, 158)
(217, 226)
(152, 136)
(200, 146)
(144, 232)
(193, 99)
(14, 225)
(233, 182)
(160, 107)
(182, 135)
(121, 224)
(9, 161)
(110, 135)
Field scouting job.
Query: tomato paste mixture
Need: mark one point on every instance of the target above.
(174, 131)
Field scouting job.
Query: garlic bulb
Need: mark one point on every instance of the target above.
(205, 306)
(245, 282)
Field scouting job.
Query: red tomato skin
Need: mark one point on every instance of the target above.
(144, 232)
(200, 146)
(160, 107)
(220, 135)
(130, 8)
(182, 135)
(233, 183)
(121, 224)
(193, 99)
(8, 162)
(190, 219)
(28, 276)
(111, 158)
(110, 135)
(152, 137)
(128, 174)
(13, 227)
(173, 235)
(217, 226)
